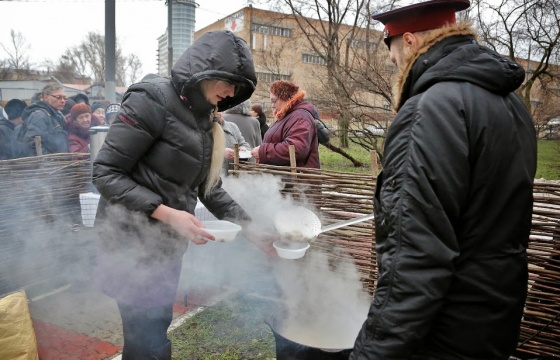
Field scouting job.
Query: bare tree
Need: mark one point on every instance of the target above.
(17, 51)
(526, 31)
(88, 58)
(133, 69)
(354, 81)
(4, 71)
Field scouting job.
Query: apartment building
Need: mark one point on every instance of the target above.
(283, 51)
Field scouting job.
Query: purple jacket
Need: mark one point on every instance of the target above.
(295, 128)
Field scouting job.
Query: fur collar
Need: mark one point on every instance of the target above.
(289, 104)
(462, 28)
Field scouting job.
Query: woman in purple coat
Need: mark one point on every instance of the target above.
(294, 126)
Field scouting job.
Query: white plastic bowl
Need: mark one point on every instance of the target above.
(222, 230)
(294, 250)
(245, 154)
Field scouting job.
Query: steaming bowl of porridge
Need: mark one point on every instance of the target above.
(290, 249)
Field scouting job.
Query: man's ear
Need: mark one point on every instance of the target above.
(410, 40)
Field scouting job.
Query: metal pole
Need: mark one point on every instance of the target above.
(110, 91)
(169, 36)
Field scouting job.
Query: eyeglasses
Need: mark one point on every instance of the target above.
(59, 97)
(273, 101)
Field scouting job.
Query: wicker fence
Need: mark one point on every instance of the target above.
(39, 217)
(41, 232)
(340, 196)
(540, 330)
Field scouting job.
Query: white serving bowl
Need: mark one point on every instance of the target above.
(222, 230)
(292, 250)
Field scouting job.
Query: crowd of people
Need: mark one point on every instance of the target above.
(52, 123)
(62, 123)
(453, 203)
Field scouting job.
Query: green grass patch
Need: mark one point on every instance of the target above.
(548, 161)
(548, 165)
(233, 329)
(331, 160)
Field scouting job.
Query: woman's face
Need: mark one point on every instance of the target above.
(276, 103)
(216, 90)
(84, 120)
(100, 113)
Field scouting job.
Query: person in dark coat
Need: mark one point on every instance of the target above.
(165, 149)
(249, 126)
(14, 108)
(110, 113)
(44, 119)
(257, 112)
(98, 113)
(67, 107)
(78, 128)
(294, 126)
(453, 204)
(80, 98)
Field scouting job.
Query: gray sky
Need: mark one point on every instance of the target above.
(51, 26)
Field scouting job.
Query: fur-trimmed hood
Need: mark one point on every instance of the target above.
(279, 114)
(453, 54)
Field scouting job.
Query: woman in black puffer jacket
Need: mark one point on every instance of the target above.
(162, 152)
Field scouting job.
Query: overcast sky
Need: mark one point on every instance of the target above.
(51, 26)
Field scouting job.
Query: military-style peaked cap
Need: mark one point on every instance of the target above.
(420, 17)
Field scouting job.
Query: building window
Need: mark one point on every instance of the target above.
(271, 30)
(313, 59)
(363, 44)
(270, 77)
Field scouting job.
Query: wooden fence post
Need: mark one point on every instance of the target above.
(374, 166)
(38, 147)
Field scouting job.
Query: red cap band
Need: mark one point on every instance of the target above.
(436, 18)
(423, 16)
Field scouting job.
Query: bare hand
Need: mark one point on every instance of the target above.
(261, 239)
(229, 154)
(184, 223)
(255, 153)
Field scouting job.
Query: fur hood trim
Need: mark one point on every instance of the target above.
(300, 95)
(462, 28)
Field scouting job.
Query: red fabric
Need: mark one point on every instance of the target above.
(77, 144)
(295, 128)
(78, 139)
(437, 18)
(420, 17)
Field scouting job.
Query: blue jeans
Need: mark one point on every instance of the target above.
(145, 332)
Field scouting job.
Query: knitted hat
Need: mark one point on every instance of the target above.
(284, 90)
(112, 109)
(79, 109)
(97, 105)
(14, 108)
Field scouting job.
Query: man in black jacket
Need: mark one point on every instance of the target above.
(453, 204)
